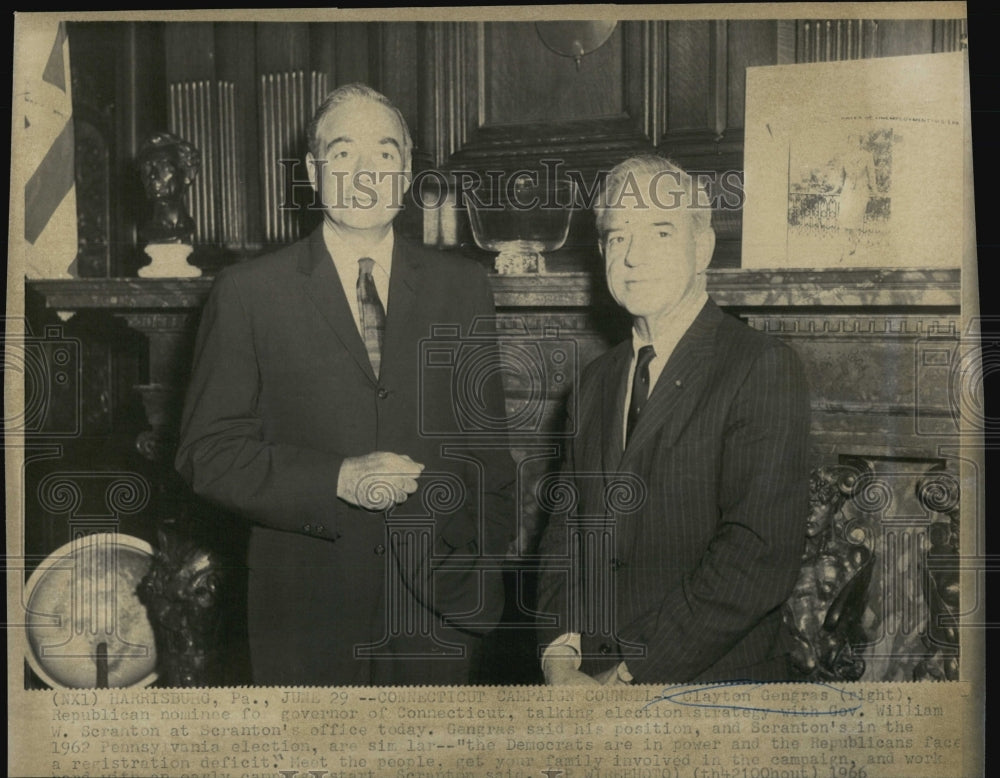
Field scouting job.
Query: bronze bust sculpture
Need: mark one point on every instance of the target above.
(167, 166)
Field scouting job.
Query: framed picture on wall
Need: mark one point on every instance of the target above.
(856, 164)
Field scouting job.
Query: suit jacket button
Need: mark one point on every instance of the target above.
(382, 393)
(379, 549)
(616, 565)
(319, 528)
(605, 648)
(306, 528)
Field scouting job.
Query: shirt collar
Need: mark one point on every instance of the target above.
(345, 257)
(679, 322)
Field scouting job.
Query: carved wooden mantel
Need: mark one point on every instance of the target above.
(835, 318)
(731, 288)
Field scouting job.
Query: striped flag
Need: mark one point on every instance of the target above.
(43, 138)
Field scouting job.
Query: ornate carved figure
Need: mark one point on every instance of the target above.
(826, 609)
(167, 166)
(180, 593)
(939, 492)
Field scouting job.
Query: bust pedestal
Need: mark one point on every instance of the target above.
(169, 261)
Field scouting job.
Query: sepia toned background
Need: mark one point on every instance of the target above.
(882, 346)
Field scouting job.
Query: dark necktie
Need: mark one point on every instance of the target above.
(640, 389)
(372, 313)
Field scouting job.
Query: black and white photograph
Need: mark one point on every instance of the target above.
(558, 391)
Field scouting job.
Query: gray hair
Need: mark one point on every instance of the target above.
(611, 196)
(344, 94)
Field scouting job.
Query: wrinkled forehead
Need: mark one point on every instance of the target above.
(636, 217)
(361, 120)
(645, 199)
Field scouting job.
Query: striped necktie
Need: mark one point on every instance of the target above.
(640, 388)
(372, 313)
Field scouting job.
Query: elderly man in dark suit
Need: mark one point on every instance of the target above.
(691, 454)
(310, 413)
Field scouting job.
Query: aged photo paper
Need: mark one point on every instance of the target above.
(872, 154)
(153, 150)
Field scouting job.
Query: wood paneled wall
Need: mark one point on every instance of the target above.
(486, 95)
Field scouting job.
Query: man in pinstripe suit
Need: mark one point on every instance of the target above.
(702, 424)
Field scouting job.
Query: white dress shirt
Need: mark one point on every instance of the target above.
(664, 343)
(345, 260)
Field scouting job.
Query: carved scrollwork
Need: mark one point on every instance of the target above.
(181, 593)
(871, 493)
(824, 614)
(940, 493)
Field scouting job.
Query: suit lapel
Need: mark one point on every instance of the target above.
(673, 401)
(612, 406)
(322, 285)
(679, 387)
(404, 283)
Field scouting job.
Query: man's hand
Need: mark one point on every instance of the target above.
(559, 672)
(561, 668)
(377, 481)
(612, 676)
